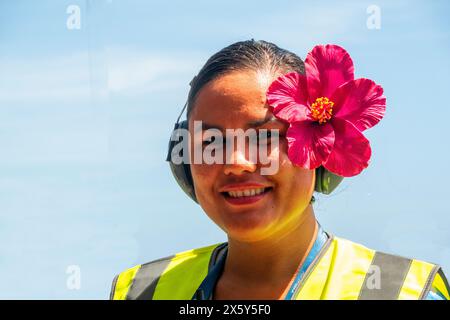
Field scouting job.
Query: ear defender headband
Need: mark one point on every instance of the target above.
(326, 181)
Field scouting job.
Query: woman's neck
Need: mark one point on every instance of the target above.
(273, 261)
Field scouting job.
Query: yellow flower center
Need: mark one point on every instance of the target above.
(322, 109)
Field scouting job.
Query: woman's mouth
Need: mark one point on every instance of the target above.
(245, 196)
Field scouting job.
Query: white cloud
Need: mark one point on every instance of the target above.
(85, 75)
(61, 77)
(131, 71)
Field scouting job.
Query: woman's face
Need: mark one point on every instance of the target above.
(237, 100)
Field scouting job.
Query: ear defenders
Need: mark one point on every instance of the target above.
(326, 181)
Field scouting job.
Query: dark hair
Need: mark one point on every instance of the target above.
(245, 55)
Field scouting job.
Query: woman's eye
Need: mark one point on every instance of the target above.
(269, 136)
(209, 140)
(265, 137)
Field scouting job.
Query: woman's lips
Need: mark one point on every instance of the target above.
(245, 199)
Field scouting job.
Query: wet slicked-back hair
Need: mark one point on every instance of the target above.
(245, 55)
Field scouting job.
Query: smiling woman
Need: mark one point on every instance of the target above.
(276, 249)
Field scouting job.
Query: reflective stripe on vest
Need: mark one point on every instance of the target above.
(171, 278)
(342, 270)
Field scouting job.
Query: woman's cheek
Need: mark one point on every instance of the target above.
(203, 176)
(277, 158)
(199, 175)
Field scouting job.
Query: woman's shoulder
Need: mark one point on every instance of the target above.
(148, 273)
(383, 256)
(389, 267)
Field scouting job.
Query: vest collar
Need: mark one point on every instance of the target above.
(218, 257)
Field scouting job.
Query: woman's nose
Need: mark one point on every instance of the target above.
(238, 163)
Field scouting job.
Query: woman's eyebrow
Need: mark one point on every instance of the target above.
(252, 124)
(259, 123)
(206, 126)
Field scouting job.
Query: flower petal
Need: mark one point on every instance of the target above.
(327, 67)
(351, 151)
(288, 97)
(309, 143)
(361, 102)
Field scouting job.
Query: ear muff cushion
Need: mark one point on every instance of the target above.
(326, 181)
(182, 174)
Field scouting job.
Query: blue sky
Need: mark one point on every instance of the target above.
(85, 117)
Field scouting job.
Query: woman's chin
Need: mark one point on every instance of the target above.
(253, 226)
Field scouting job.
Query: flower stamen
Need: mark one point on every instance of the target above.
(322, 109)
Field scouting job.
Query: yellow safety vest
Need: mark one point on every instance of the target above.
(342, 270)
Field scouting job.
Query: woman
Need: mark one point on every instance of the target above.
(276, 249)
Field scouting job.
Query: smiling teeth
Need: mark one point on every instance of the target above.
(245, 193)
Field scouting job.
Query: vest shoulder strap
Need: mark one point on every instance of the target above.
(392, 277)
(173, 277)
(348, 270)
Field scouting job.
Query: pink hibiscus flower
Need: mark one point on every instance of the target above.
(327, 110)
